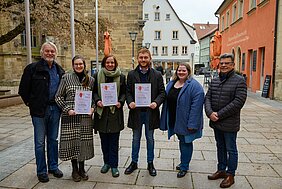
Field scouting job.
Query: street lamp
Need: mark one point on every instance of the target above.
(133, 38)
(147, 45)
(192, 56)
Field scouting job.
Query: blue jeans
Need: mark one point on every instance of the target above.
(227, 153)
(110, 145)
(137, 133)
(47, 126)
(186, 151)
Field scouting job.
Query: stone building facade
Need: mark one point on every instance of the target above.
(124, 16)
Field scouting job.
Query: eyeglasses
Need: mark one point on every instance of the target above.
(226, 63)
(79, 64)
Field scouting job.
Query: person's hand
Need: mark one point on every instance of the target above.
(153, 105)
(132, 105)
(100, 104)
(71, 112)
(118, 105)
(91, 111)
(214, 116)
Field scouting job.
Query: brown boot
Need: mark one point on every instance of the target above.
(75, 176)
(82, 171)
(227, 182)
(217, 175)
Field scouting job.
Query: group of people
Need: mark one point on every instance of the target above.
(50, 94)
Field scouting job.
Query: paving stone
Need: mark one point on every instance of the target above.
(96, 176)
(277, 168)
(263, 158)
(200, 181)
(62, 183)
(120, 186)
(212, 155)
(252, 148)
(255, 169)
(25, 177)
(265, 182)
(264, 141)
(274, 148)
(164, 179)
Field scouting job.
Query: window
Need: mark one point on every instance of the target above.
(146, 16)
(243, 62)
(174, 34)
(222, 23)
(157, 16)
(32, 37)
(158, 35)
(253, 4)
(234, 12)
(240, 8)
(254, 61)
(164, 50)
(184, 50)
(227, 19)
(175, 50)
(167, 16)
(155, 50)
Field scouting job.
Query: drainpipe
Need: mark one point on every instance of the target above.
(217, 20)
(274, 51)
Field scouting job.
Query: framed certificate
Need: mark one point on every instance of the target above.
(109, 94)
(142, 94)
(82, 103)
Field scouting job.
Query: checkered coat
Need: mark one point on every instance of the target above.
(76, 139)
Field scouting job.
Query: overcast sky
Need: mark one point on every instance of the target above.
(196, 11)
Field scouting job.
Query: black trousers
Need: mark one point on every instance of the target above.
(110, 147)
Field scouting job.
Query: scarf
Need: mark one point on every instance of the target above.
(101, 78)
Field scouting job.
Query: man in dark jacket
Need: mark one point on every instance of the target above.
(225, 98)
(149, 115)
(38, 86)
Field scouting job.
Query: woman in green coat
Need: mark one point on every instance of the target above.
(109, 120)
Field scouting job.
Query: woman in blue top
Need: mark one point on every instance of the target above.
(182, 113)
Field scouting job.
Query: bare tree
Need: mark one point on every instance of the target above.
(51, 18)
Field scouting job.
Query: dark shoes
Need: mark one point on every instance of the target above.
(56, 173)
(181, 173)
(132, 167)
(43, 177)
(151, 169)
(83, 174)
(217, 175)
(105, 168)
(115, 172)
(75, 176)
(177, 167)
(227, 182)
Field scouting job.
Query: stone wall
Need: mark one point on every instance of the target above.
(124, 17)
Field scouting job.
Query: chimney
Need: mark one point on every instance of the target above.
(208, 23)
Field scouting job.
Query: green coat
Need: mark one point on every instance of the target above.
(108, 122)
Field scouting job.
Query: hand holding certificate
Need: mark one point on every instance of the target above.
(143, 94)
(109, 94)
(82, 103)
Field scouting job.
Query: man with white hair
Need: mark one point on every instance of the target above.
(38, 86)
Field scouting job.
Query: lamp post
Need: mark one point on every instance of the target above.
(147, 45)
(133, 38)
(192, 57)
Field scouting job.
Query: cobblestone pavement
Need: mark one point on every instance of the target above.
(259, 145)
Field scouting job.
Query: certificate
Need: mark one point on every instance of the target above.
(142, 94)
(82, 103)
(109, 94)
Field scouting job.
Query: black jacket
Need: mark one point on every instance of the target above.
(34, 86)
(158, 95)
(227, 98)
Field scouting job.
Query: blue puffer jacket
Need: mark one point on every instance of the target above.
(189, 110)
